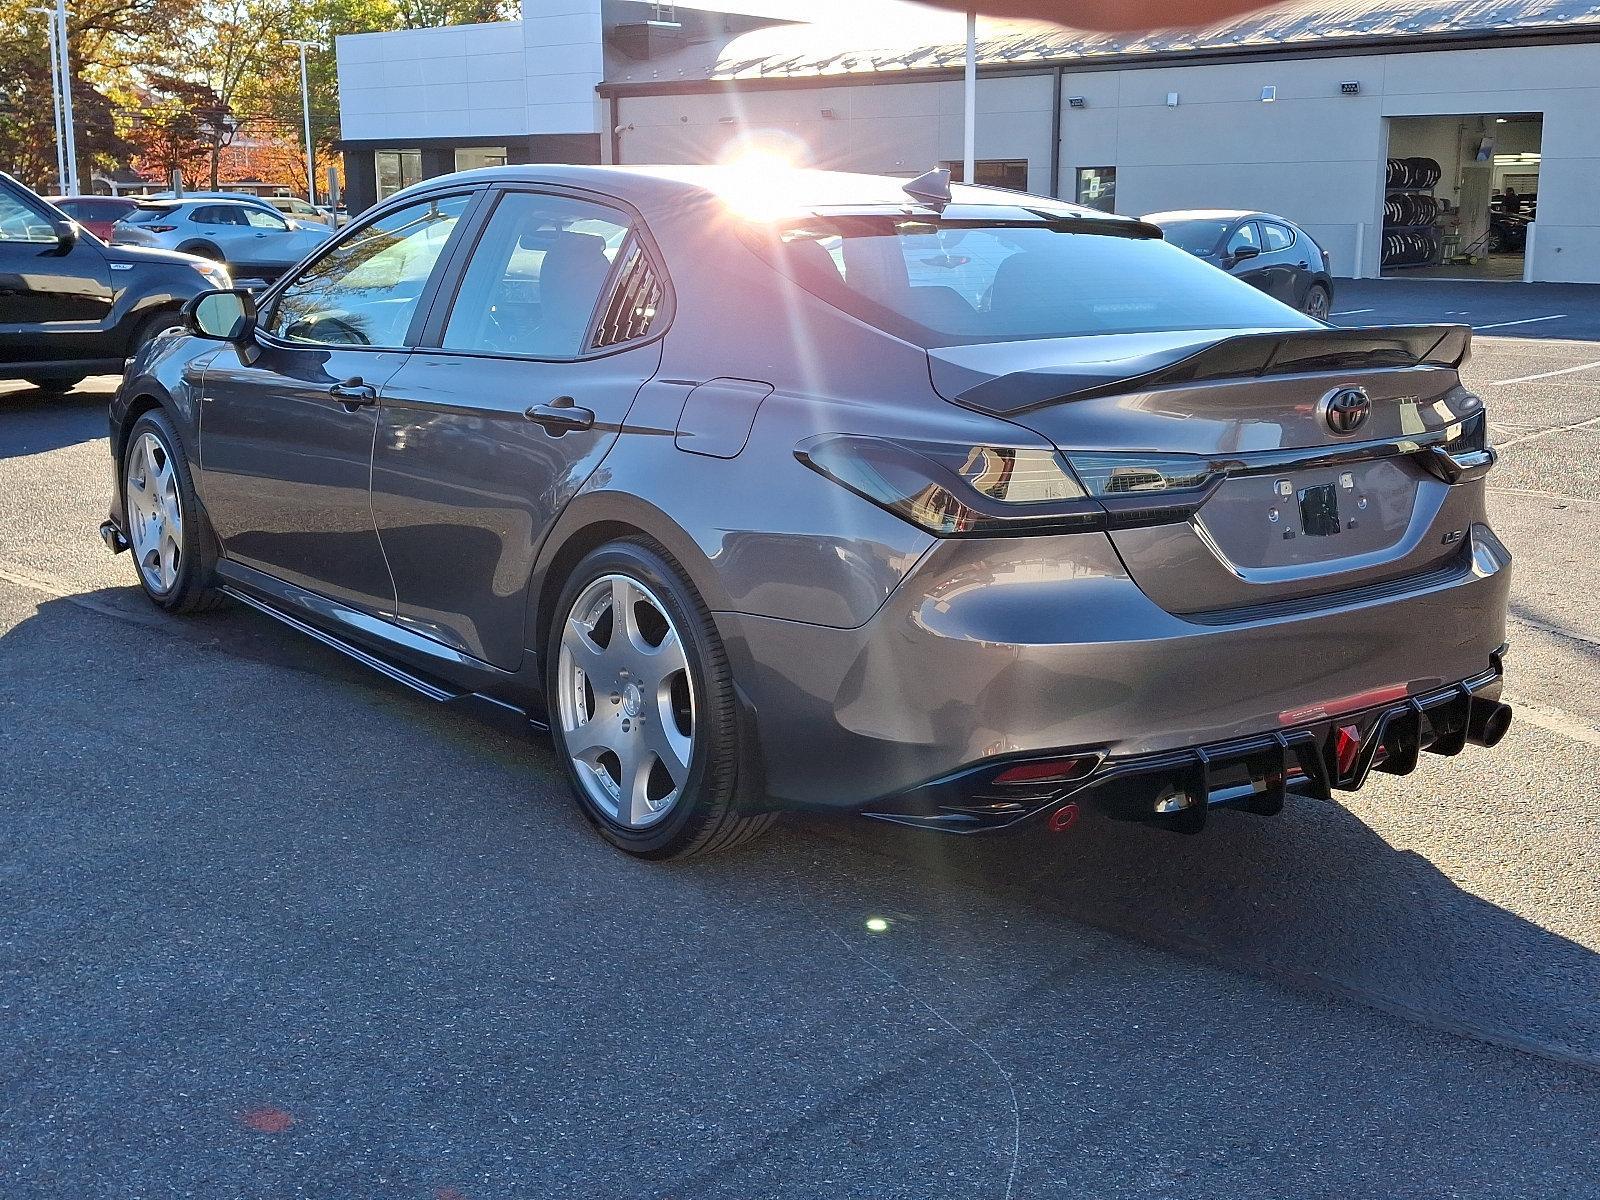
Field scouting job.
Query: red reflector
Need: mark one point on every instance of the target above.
(1346, 746)
(1064, 818)
(1047, 770)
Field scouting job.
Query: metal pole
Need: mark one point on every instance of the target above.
(55, 96)
(311, 151)
(969, 152)
(66, 98)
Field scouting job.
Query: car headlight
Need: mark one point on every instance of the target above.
(215, 274)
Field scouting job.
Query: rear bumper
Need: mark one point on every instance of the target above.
(1004, 649)
(1179, 788)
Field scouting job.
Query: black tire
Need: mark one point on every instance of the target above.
(193, 590)
(1496, 242)
(1318, 301)
(58, 385)
(709, 814)
(202, 250)
(155, 323)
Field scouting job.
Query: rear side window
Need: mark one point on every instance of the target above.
(1276, 237)
(365, 290)
(938, 282)
(536, 276)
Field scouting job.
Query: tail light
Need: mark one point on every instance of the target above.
(1465, 453)
(955, 490)
(158, 228)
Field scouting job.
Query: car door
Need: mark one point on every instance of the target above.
(1253, 270)
(220, 224)
(55, 296)
(1286, 263)
(286, 439)
(517, 392)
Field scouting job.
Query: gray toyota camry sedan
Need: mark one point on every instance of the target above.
(956, 507)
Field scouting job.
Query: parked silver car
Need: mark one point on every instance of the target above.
(254, 241)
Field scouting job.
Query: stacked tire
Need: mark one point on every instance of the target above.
(1410, 247)
(1410, 214)
(1410, 208)
(1412, 173)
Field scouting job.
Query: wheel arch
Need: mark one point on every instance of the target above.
(589, 522)
(203, 248)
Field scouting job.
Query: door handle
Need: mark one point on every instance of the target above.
(352, 393)
(560, 416)
(1303, 265)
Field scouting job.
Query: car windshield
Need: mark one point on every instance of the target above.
(151, 214)
(1196, 235)
(938, 282)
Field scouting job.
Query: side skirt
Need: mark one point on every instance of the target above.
(457, 679)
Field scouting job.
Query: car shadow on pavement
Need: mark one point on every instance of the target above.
(1315, 898)
(32, 421)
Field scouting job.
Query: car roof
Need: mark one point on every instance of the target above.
(1214, 214)
(224, 202)
(787, 189)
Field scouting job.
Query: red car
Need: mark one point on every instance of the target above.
(97, 214)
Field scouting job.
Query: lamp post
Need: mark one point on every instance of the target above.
(969, 148)
(305, 111)
(66, 99)
(55, 97)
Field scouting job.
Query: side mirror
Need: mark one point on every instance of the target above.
(224, 316)
(66, 234)
(1244, 252)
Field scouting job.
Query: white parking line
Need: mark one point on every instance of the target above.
(1524, 321)
(1546, 374)
(1350, 312)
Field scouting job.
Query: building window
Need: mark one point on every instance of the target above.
(397, 169)
(470, 158)
(1097, 188)
(1011, 173)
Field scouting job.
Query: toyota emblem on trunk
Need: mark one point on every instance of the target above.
(1347, 409)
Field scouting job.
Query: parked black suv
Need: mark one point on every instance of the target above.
(70, 305)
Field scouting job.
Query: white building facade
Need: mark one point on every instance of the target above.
(1296, 111)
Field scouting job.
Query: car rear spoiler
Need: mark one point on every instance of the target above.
(1247, 356)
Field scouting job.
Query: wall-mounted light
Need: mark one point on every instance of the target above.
(1172, 99)
(1350, 87)
(1076, 102)
(1269, 94)
(829, 115)
(725, 120)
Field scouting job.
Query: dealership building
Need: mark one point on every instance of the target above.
(1388, 129)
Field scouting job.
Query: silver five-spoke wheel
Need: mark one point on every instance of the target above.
(154, 513)
(625, 701)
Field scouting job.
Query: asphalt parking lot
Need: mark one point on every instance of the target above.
(272, 927)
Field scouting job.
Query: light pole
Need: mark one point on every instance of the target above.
(305, 111)
(66, 99)
(969, 103)
(55, 97)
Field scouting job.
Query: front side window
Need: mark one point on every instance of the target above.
(535, 277)
(1243, 236)
(21, 223)
(365, 290)
(956, 279)
(260, 218)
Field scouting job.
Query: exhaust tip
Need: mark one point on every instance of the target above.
(1488, 722)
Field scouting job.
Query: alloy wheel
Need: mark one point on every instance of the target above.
(155, 513)
(1317, 304)
(625, 700)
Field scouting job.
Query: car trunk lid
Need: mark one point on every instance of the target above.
(1299, 499)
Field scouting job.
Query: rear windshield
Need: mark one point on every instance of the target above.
(1198, 236)
(150, 216)
(938, 282)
